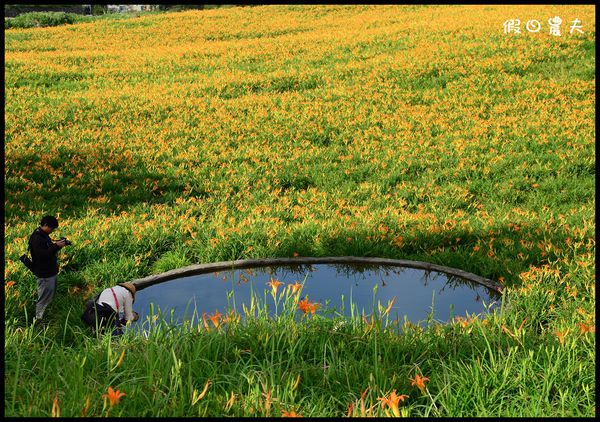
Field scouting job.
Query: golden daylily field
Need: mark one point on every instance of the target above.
(409, 132)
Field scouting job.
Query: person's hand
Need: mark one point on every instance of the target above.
(60, 243)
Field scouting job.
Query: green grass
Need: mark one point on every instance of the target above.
(42, 19)
(48, 19)
(317, 366)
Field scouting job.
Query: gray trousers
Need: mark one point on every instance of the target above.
(46, 290)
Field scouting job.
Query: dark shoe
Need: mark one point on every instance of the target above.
(39, 323)
(117, 332)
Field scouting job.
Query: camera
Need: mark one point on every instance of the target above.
(67, 242)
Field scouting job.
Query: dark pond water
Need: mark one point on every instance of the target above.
(418, 293)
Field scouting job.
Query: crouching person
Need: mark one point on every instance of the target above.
(111, 309)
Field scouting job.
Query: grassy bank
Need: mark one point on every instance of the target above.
(409, 132)
(261, 366)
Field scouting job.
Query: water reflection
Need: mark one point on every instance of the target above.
(341, 289)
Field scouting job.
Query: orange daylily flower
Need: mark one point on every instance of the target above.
(196, 397)
(392, 402)
(85, 407)
(419, 382)
(267, 401)
(55, 408)
(389, 307)
(10, 284)
(463, 322)
(350, 409)
(363, 411)
(584, 328)
(398, 241)
(231, 317)
(583, 313)
(274, 285)
(561, 336)
(295, 287)
(291, 414)
(113, 396)
(206, 326)
(215, 318)
(305, 306)
(230, 402)
(119, 361)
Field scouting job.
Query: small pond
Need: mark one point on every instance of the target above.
(418, 294)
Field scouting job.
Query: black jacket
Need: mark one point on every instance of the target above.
(43, 254)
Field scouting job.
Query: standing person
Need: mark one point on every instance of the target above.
(45, 262)
(113, 307)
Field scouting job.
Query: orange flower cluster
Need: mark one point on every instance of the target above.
(308, 307)
(586, 328)
(290, 414)
(218, 320)
(464, 322)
